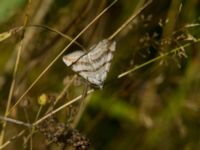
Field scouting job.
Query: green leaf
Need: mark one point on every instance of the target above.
(8, 8)
(114, 107)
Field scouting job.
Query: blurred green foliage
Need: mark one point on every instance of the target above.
(9, 8)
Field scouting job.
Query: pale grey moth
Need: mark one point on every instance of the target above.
(93, 65)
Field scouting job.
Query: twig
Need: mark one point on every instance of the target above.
(82, 106)
(155, 59)
(61, 95)
(58, 32)
(129, 20)
(60, 108)
(15, 121)
(19, 49)
(37, 19)
(14, 137)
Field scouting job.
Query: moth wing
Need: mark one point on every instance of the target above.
(94, 65)
(100, 49)
(79, 63)
(71, 58)
(91, 78)
(100, 56)
(107, 48)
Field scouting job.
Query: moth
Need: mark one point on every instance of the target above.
(93, 65)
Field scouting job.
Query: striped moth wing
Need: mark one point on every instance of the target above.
(93, 65)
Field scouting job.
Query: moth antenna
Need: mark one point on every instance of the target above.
(129, 20)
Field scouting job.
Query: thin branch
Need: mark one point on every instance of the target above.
(58, 32)
(82, 106)
(61, 94)
(155, 59)
(15, 121)
(13, 138)
(19, 49)
(60, 108)
(129, 20)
